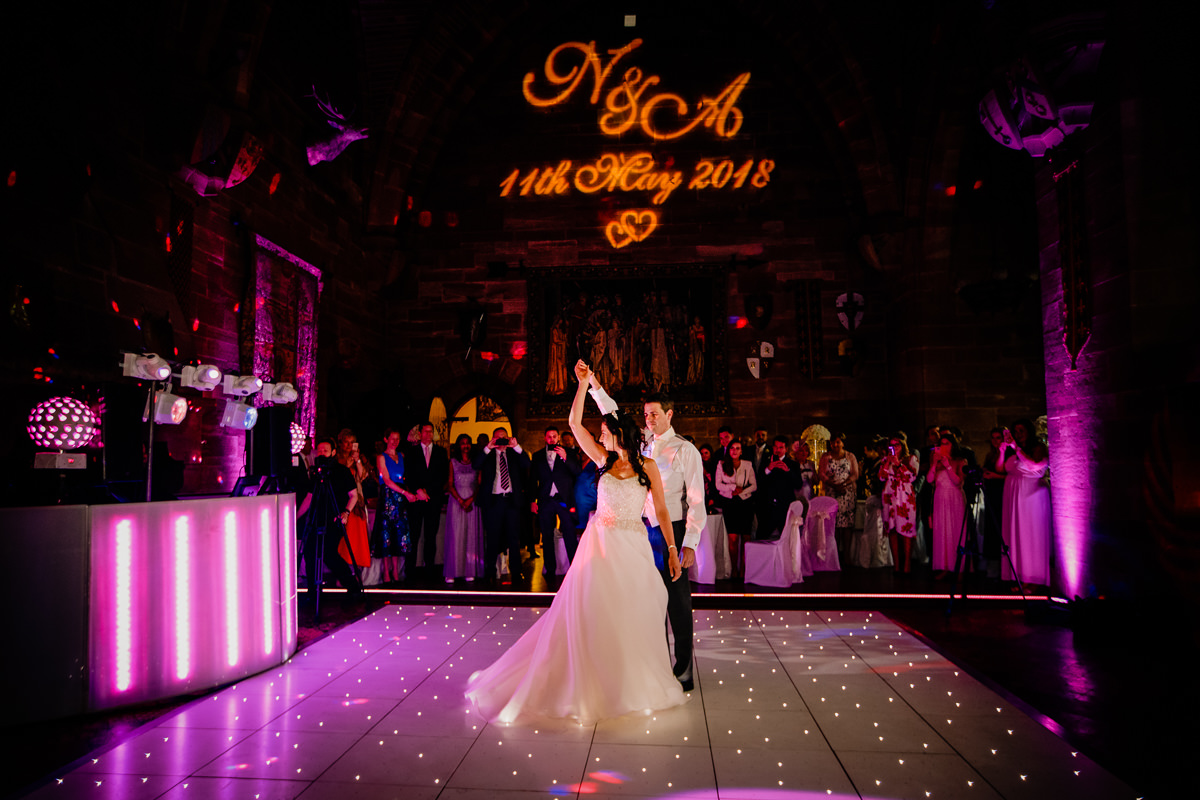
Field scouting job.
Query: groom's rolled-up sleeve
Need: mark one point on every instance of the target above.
(693, 487)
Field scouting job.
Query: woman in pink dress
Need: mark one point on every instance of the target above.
(464, 532)
(949, 504)
(1026, 520)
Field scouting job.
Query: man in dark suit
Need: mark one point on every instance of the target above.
(553, 482)
(777, 487)
(426, 466)
(503, 475)
(760, 452)
(724, 437)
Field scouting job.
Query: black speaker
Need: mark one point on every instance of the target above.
(269, 442)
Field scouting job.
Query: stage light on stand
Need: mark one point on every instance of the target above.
(238, 415)
(242, 385)
(280, 393)
(204, 377)
(169, 409)
(64, 423)
(147, 367)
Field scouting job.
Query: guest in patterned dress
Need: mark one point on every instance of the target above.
(391, 532)
(898, 470)
(839, 471)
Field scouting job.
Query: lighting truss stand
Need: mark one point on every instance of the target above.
(968, 533)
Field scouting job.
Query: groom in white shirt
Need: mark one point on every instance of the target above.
(682, 472)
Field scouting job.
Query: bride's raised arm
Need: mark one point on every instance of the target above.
(582, 435)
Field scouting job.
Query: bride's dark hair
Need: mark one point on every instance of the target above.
(628, 434)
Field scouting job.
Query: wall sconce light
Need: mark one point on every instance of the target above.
(280, 393)
(238, 415)
(242, 385)
(205, 377)
(146, 367)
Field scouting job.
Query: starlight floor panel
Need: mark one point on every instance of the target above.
(789, 705)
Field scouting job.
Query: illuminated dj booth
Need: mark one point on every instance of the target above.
(132, 602)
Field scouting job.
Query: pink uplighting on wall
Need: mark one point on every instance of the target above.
(123, 603)
(233, 584)
(189, 594)
(183, 599)
(1074, 419)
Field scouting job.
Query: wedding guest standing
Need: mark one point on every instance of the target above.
(736, 484)
(945, 474)
(463, 546)
(428, 469)
(839, 472)
(898, 471)
(391, 542)
(993, 501)
(1026, 524)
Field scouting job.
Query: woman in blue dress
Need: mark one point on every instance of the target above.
(391, 532)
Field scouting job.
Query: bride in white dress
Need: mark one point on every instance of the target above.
(599, 650)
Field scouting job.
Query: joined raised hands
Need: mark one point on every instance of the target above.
(582, 371)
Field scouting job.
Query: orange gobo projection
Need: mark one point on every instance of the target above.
(631, 103)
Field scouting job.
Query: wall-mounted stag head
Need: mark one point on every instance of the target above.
(344, 133)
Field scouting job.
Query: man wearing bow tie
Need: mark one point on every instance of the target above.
(554, 472)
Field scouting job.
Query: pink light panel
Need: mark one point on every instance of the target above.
(232, 588)
(183, 599)
(123, 604)
(189, 594)
(267, 546)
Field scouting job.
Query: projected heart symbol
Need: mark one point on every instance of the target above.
(632, 226)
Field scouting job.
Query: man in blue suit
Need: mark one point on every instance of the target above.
(554, 472)
(503, 477)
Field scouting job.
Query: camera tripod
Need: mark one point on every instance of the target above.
(968, 533)
(324, 514)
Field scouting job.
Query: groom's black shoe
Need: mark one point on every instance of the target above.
(685, 680)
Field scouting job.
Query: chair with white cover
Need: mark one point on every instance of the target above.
(778, 563)
(819, 529)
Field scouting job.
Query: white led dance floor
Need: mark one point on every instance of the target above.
(788, 706)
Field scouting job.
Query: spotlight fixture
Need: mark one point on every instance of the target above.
(146, 367)
(205, 377)
(242, 385)
(299, 439)
(238, 415)
(280, 393)
(169, 409)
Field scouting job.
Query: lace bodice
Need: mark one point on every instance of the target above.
(620, 502)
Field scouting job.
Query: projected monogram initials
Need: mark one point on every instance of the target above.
(628, 106)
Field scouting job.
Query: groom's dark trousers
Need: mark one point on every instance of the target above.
(679, 598)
